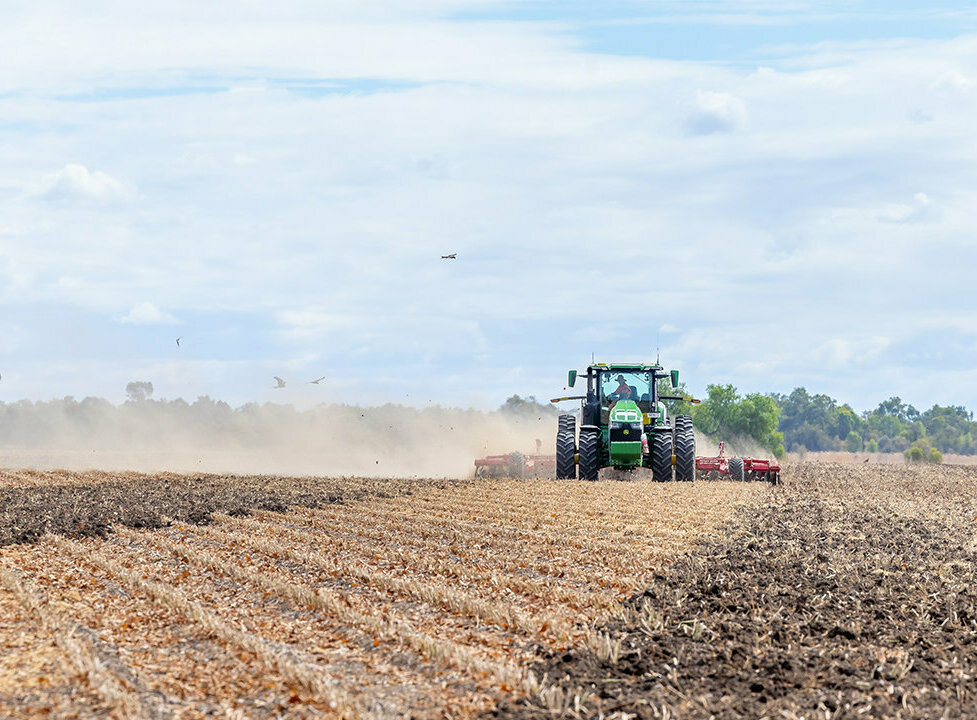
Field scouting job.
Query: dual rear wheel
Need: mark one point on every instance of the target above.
(684, 449)
(566, 448)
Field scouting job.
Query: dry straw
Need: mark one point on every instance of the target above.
(80, 651)
(292, 668)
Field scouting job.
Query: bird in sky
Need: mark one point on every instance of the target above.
(450, 256)
(178, 341)
(317, 380)
(279, 382)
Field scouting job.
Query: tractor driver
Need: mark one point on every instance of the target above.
(623, 391)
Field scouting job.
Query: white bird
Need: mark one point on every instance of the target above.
(279, 381)
(316, 382)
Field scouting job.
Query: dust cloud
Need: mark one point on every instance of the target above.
(736, 446)
(208, 436)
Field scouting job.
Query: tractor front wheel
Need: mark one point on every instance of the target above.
(661, 456)
(589, 465)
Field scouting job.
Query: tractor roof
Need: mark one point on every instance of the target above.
(626, 366)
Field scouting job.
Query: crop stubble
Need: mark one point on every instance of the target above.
(345, 597)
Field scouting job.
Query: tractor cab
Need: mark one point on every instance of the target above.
(638, 385)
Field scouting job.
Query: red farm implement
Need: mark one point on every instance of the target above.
(736, 468)
(515, 465)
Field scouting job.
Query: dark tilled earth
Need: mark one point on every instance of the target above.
(849, 592)
(147, 501)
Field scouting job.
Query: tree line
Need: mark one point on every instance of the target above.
(799, 422)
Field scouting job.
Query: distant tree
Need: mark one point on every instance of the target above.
(872, 446)
(674, 407)
(846, 422)
(137, 391)
(922, 451)
(853, 443)
(755, 416)
(895, 407)
(527, 406)
(914, 454)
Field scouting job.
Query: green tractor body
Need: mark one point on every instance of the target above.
(625, 425)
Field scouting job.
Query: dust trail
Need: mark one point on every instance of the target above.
(268, 439)
(736, 446)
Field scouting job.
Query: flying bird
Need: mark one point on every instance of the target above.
(178, 341)
(451, 256)
(279, 382)
(317, 381)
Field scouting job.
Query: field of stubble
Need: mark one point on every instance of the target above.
(847, 592)
(125, 595)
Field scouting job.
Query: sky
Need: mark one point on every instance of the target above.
(767, 194)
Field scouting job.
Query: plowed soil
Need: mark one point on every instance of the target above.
(850, 591)
(130, 595)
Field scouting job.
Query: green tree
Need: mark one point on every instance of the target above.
(674, 407)
(725, 413)
(853, 443)
(846, 422)
(914, 454)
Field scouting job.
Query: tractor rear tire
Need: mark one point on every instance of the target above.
(661, 456)
(684, 454)
(683, 422)
(567, 422)
(566, 463)
(736, 469)
(589, 465)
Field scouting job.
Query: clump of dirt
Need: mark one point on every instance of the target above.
(849, 591)
(147, 501)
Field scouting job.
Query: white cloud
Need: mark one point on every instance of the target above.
(843, 352)
(146, 313)
(75, 182)
(717, 112)
(920, 210)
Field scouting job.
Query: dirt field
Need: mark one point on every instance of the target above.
(850, 591)
(124, 595)
(847, 592)
(896, 458)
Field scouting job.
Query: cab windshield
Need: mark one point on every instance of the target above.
(625, 385)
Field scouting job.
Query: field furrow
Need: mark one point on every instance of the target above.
(292, 667)
(498, 611)
(116, 684)
(407, 552)
(576, 559)
(581, 568)
(343, 608)
(355, 598)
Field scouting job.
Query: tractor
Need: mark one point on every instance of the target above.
(625, 426)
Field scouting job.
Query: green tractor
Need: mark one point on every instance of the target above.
(624, 425)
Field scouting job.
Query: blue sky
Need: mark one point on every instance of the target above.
(768, 194)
